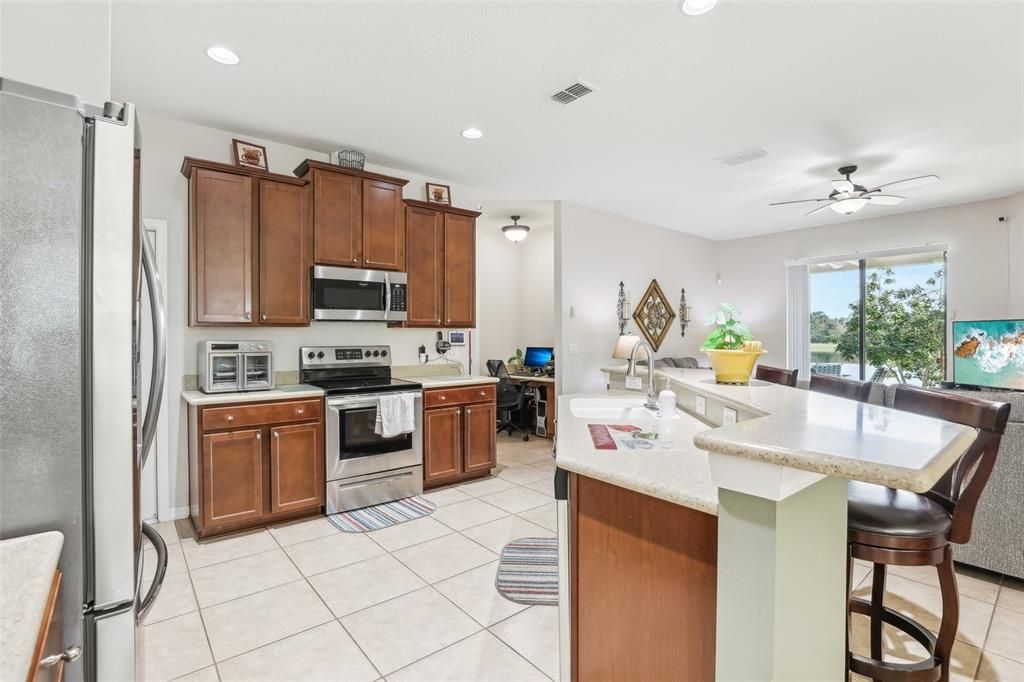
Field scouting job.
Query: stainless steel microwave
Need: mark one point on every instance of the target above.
(235, 366)
(361, 295)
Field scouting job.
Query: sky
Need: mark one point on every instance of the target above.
(833, 292)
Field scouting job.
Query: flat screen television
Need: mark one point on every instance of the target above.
(989, 354)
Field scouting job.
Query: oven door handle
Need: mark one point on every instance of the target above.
(363, 401)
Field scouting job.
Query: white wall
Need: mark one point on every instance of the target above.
(62, 46)
(984, 276)
(594, 251)
(164, 192)
(537, 281)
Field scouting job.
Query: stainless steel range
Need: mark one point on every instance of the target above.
(363, 468)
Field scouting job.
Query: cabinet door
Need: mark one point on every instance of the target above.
(232, 477)
(383, 226)
(442, 443)
(221, 250)
(459, 271)
(284, 231)
(337, 219)
(425, 260)
(479, 424)
(296, 467)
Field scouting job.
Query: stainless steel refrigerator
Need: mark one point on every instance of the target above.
(75, 271)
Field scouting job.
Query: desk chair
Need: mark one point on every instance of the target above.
(511, 398)
(851, 389)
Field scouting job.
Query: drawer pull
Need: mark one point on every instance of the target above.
(444, 397)
(483, 394)
(70, 654)
(300, 410)
(230, 417)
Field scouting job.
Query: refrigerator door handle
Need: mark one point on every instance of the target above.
(161, 570)
(159, 318)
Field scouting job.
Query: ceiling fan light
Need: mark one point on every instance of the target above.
(848, 206)
(515, 232)
(697, 7)
(842, 185)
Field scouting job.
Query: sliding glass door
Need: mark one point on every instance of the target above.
(880, 319)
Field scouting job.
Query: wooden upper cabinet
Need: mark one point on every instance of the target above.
(337, 219)
(358, 217)
(383, 225)
(459, 270)
(424, 243)
(285, 232)
(479, 439)
(249, 246)
(296, 467)
(221, 248)
(232, 477)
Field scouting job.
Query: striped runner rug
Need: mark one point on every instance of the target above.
(528, 571)
(382, 515)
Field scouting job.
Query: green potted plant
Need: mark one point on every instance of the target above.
(731, 346)
(515, 363)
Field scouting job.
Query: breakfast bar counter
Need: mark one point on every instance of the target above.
(763, 470)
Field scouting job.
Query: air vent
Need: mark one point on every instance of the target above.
(572, 93)
(752, 154)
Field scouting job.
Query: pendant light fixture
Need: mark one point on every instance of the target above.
(515, 232)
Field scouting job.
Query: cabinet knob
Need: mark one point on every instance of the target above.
(444, 397)
(468, 411)
(70, 654)
(354, 260)
(230, 417)
(483, 394)
(248, 316)
(259, 436)
(300, 410)
(263, 316)
(276, 434)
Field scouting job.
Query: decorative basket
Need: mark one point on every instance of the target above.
(349, 158)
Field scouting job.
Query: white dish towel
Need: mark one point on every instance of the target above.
(395, 414)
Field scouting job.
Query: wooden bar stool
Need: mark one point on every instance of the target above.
(901, 528)
(851, 389)
(776, 375)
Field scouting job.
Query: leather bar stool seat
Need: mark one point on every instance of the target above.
(877, 510)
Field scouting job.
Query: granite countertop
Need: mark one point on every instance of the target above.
(280, 393)
(826, 434)
(27, 565)
(680, 475)
(452, 380)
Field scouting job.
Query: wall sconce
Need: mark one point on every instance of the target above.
(684, 313)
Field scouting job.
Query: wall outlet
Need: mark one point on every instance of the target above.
(574, 348)
(634, 383)
(702, 405)
(729, 416)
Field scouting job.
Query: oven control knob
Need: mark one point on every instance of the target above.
(376, 353)
(366, 353)
(383, 353)
(320, 355)
(310, 355)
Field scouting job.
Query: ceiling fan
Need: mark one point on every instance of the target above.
(847, 197)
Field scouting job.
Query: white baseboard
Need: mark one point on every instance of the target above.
(178, 513)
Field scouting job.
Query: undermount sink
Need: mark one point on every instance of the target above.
(624, 409)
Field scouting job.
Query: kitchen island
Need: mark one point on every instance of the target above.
(722, 538)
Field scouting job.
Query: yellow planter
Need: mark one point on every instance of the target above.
(733, 366)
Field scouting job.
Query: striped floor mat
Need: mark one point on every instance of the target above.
(382, 515)
(528, 571)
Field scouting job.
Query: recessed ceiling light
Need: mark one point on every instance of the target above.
(697, 7)
(472, 133)
(222, 55)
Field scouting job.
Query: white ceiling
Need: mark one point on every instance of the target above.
(901, 89)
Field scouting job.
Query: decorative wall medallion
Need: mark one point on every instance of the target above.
(654, 315)
(620, 310)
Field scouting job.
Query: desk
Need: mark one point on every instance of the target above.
(546, 391)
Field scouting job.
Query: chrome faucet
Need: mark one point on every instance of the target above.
(652, 396)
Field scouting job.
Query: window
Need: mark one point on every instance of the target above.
(881, 318)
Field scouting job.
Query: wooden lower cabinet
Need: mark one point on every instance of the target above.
(268, 468)
(643, 578)
(459, 440)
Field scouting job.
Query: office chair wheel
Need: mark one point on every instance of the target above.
(526, 437)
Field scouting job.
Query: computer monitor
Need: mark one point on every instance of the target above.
(537, 357)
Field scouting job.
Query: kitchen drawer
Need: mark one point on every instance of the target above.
(261, 414)
(446, 397)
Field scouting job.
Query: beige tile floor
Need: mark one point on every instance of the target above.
(304, 601)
